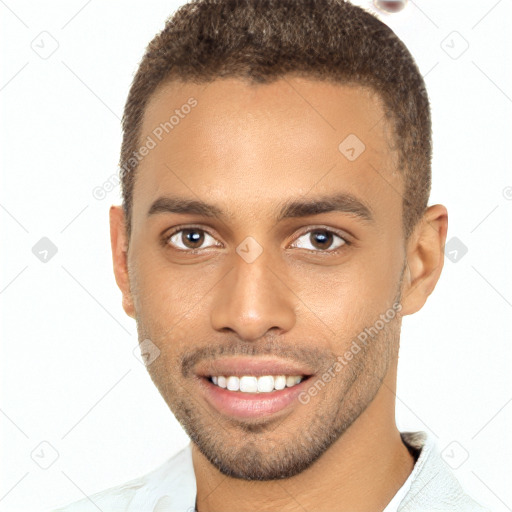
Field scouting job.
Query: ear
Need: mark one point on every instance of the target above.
(119, 243)
(424, 259)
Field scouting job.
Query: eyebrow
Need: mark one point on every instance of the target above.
(342, 202)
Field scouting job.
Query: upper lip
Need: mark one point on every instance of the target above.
(240, 366)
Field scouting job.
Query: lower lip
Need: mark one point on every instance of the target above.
(249, 405)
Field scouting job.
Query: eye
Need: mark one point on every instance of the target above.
(320, 240)
(189, 239)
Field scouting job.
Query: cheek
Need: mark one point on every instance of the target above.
(166, 294)
(345, 299)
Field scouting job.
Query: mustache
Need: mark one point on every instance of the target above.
(309, 356)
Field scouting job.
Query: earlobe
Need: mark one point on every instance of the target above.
(425, 259)
(119, 244)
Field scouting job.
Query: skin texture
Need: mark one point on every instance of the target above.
(248, 149)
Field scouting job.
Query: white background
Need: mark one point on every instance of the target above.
(68, 374)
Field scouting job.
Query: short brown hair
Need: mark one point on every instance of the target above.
(263, 40)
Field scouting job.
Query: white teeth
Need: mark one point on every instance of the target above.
(266, 384)
(280, 382)
(251, 384)
(291, 380)
(233, 383)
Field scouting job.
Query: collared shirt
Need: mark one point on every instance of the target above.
(171, 487)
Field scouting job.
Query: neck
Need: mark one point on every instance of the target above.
(360, 472)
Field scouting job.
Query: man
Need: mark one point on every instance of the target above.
(274, 231)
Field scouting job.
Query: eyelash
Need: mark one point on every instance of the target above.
(346, 243)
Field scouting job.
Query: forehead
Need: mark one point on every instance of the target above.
(234, 142)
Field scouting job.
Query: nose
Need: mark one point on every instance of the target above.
(253, 299)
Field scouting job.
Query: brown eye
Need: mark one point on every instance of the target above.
(189, 238)
(320, 240)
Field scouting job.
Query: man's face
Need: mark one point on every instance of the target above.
(301, 289)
